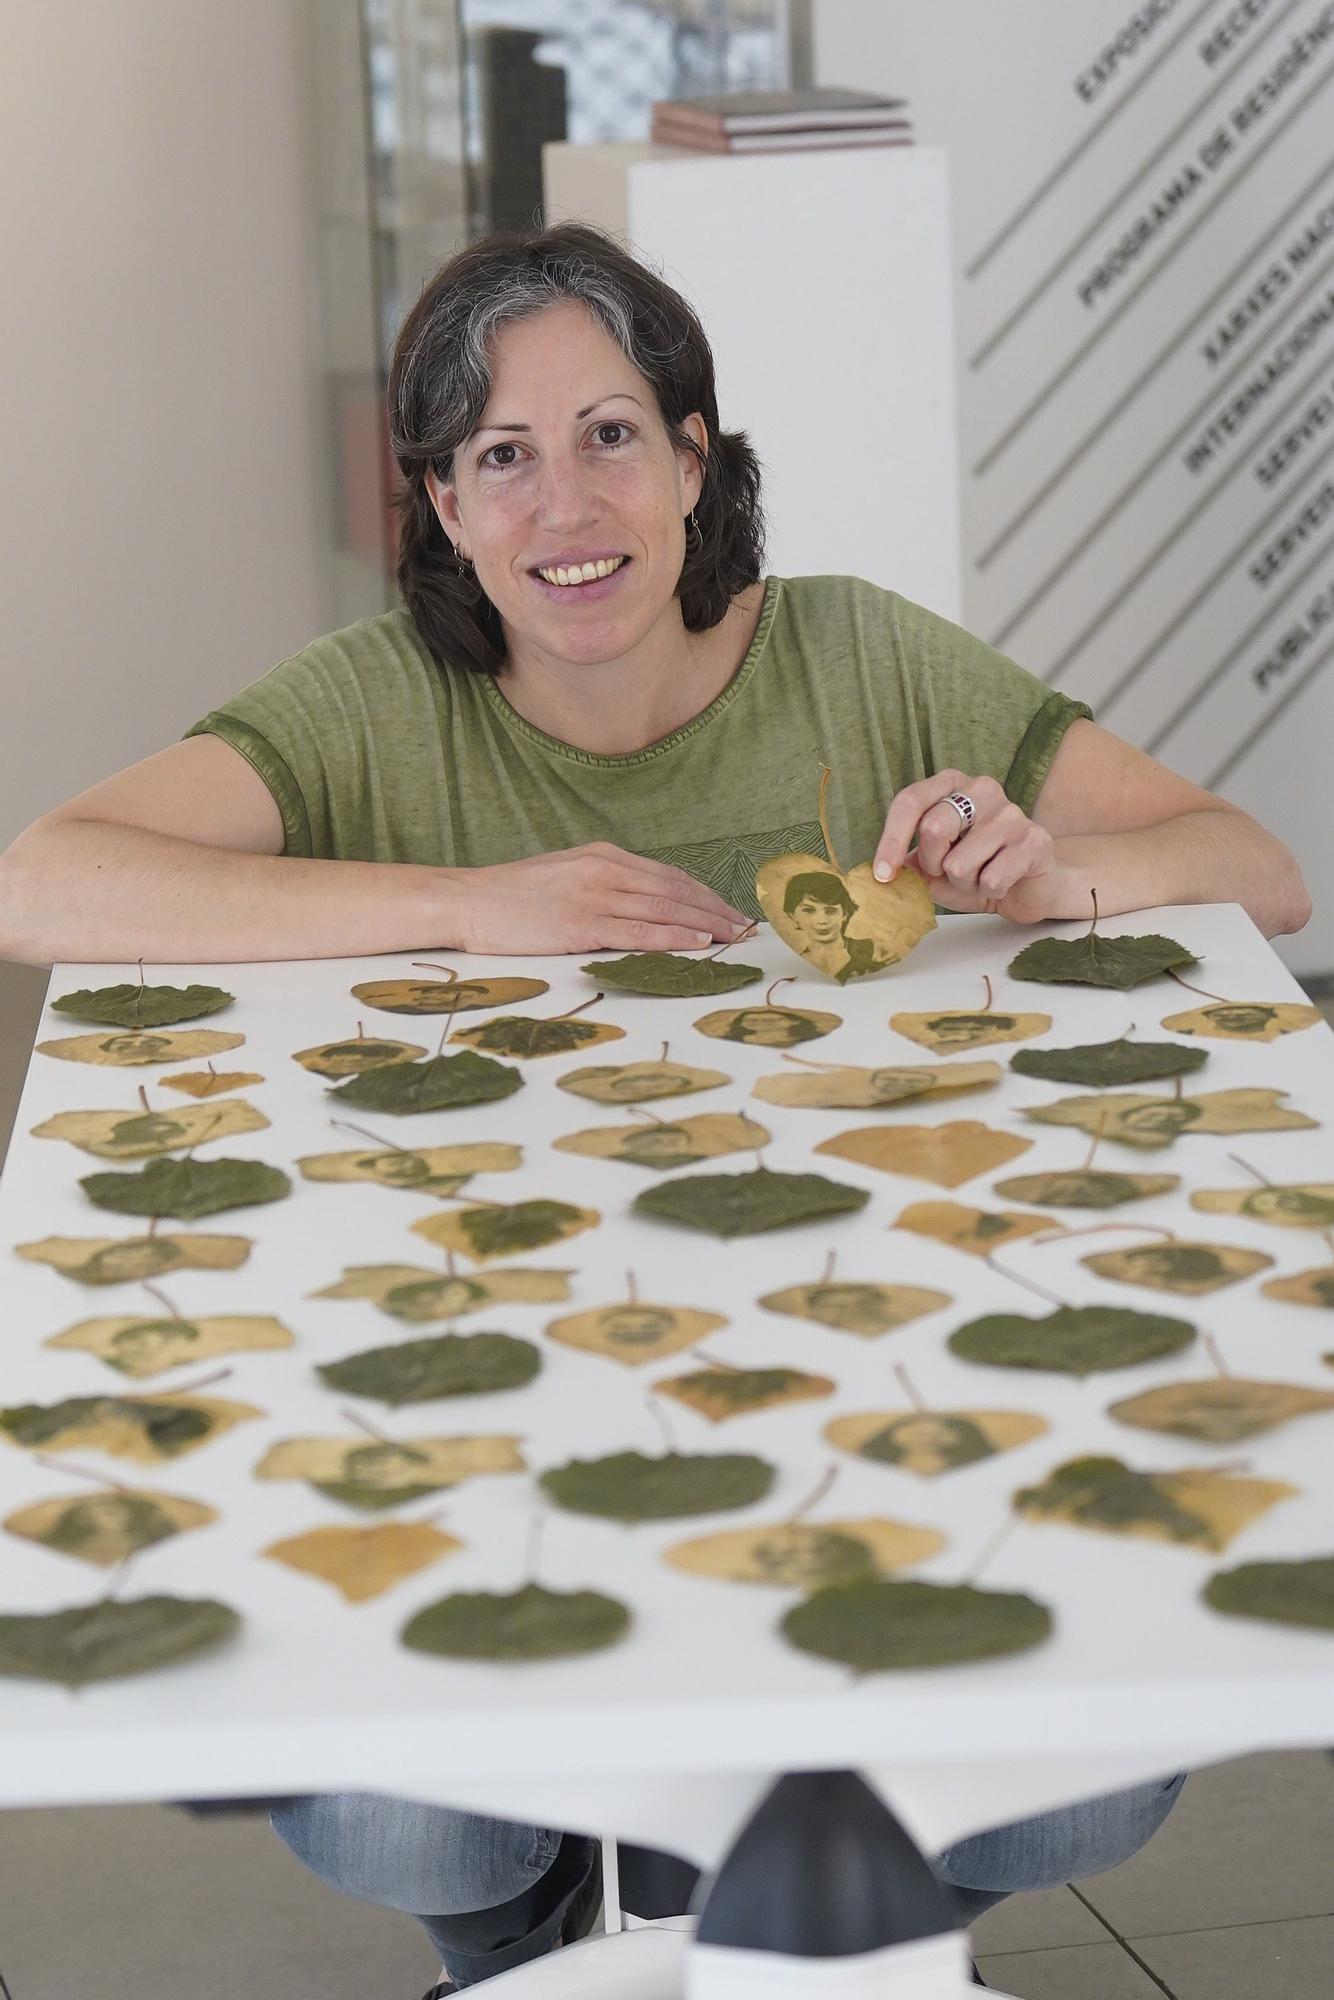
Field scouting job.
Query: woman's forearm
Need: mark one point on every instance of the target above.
(1221, 856)
(91, 891)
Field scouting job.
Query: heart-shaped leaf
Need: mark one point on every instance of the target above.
(1072, 1340)
(1190, 1268)
(128, 1050)
(446, 996)
(627, 1486)
(141, 1347)
(438, 1084)
(372, 1475)
(116, 1135)
(856, 1306)
(525, 1036)
(1206, 1509)
(639, 1083)
(956, 1028)
(1220, 1409)
(1245, 1020)
(109, 1526)
(744, 1204)
(1281, 1593)
(355, 1057)
(946, 1154)
(720, 1393)
(203, 1083)
(129, 1006)
(901, 1624)
(528, 1624)
(434, 1170)
(119, 1260)
(668, 973)
(930, 1442)
(852, 1089)
(1156, 1121)
(767, 1026)
(1085, 1187)
(187, 1188)
(634, 1331)
(1121, 962)
(797, 1555)
(447, 1364)
(412, 1292)
(660, 1146)
(845, 925)
(362, 1563)
(1109, 1064)
(109, 1640)
(976, 1231)
(1292, 1205)
(1304, 1288)
(146, 1428)
(500, 1229)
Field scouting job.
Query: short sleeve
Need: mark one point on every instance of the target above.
(977, 710)
(269, 762)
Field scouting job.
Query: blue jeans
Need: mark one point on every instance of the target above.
(493, 1893)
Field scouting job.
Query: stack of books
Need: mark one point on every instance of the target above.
(777, 121)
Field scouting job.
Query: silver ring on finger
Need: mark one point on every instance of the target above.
(966, 810)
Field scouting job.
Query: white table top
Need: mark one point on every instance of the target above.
(669, 1736)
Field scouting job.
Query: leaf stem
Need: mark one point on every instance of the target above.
(661, 1421)
(364, 1132)
(829, 1263)
(825, 775)
(989, 1548)
(1203, 991)
(69, 1470)
(728, 943)
(1029, 1285)
(534, 1550)
(1212, 1350)
(909, 1389)
(788, 979)
(986, 981)
(582, 1008)
(162, 1300)
(830, 1475)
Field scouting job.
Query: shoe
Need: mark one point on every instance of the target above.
(578, 1922)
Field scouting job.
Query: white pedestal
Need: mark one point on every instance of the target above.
(823, 280)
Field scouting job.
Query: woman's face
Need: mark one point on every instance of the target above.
(572, 459)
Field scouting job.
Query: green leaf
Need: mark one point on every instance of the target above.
(893, 1624)
(1285, 1593)
(1104, 1493)
(187, 1188)
(129, 1006)
(522, 1225)
(1084, 1187)
(366, 1498)
(448, 1364)
(167, 1430)
(527, 1624)
(149, 1129)
(744, 1204)
(528, 1035)
(627, 1486)
(432, 1298)
(1108, 1064)
(107, 1640)
(665, 972)
(1122, 962)
(436, 1084)
(1073, 1340)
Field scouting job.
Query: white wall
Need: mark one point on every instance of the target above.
(160, 522)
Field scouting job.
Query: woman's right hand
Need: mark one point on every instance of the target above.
(594, 898)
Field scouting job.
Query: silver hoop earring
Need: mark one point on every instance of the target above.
(691, 522)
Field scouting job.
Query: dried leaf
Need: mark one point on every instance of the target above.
(109, 1640)
(1191, 1268)
(1156, 1121)
(1106, 1064)
(187, 1188)
(946, 1154)
(1091, 960)
(1282, 1593)
(373, 1476)
(525, 1036)
(125, 1051)
(446, 996)
(356, 1056)
(434, 1170)
(709, 1136)
(956, 1028)
(1072, 1340)
(145, 1428)
(1221, 1409)
(719, 1393)
(905, 1624)
(438, 1084)
(627, 1486)
(139, 1347)
(501, 1230)
(1304, 1288)
(211, 1082)
(634, 1331)
(1245, 1020)
(852, 1089)
(976, 1231)
(859, 1307)
(844, 924)
(412, 1292)
(929, 1442)
(130, 1006)
(668, 973)
(108, 1527)
(527, 1624)
(1206, 1509)
(137, 1135)
(444, 1364)
(1295, 1205)
(767, 1026)
(639, 1083)
(362, 1563)
(119, 1260)
(1085, 1187)
(745, 1204)
(798, 1555)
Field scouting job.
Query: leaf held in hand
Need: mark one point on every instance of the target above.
(1282, 1593)
(130, 1006)
(639, 1083)
(720, 1393)
(845, 925)
(446, 1364)
(902, 1624)
(1072, 1340)
(930, 1442)
(851, 1306)
(362, 1563)
(627, 1486)
(634, 1331)
(187, 1188)
(109, 1526)
(109, 1640)
(1085, 1187)
(1189, 1268)
(501, 1230)
(1207, 1509)
(1222, 1409)
(528, 1624)
(709, 1136)
(799, 1555)
(946, 1154)
(439, 1084)
(670, 974)
(744, 1204)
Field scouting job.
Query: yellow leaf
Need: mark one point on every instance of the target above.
(956, 1028)
(844, 924)
(140, 1345)
(137, 1135)
(414, 1461)
(856, 1307)
(977, 1231)
(929, 1442)
(851, 1089)
(635, 1330)
(124, 1049)
(211, 1082)
(1245, 1020)
(708, 1136)
(799, 1556)
(362, 1563)
(108, 1526)
(946, 1154)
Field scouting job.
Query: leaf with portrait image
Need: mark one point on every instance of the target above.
(856, 1306)
(187, 1188)
(1085, 1187)
(1205, 1509)
(145, 1428)
(357, 1055)
(1177, 1266)
(800, 1555)
(901, 1624)
(928, 1443)
(1304, 1288)
(853, 1089)
(639, 1083)
(441, 1083)
(719, 1393)
(957, 1028)
(109, 1640)
(414, 1292)
(140, 1345)
(119, 1260)
(129, 1050)
(1072, 1340)
(500, 1229)
(768, 1026)
(671, 975)
(634, 1330)
(1245, 1020)
(1290, 1205)
(525, 1036)
(532, 1623)
(628, 1486)
(745, 1204)
(446, 996)
(975, 1231)
(1134, 1120)
(1299, 1592)
(373, 1474)
(445, 1364)
(659, 1145)
(211, 1082)
(109, 1526)
(362, 1563)
(131, 1006)
(433, 1170)
(947, 1154)
(1221, 1409)
(138, 1135)
(1106, 1065)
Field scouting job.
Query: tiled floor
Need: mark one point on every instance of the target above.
(1233, 1899)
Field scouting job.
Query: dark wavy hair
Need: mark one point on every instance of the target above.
(440, 379)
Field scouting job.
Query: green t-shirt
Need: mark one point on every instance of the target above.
(374, 754)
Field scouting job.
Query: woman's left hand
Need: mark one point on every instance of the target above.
(1003, 863)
